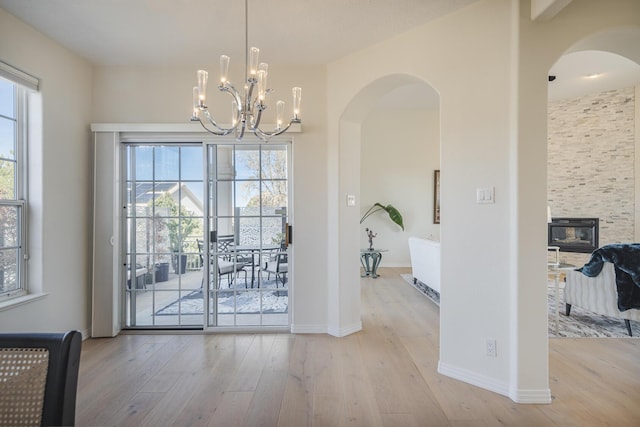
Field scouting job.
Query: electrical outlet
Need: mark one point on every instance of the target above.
(491, 348)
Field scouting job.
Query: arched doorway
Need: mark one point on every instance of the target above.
(350, 146)
(399, 151)
(593, 135)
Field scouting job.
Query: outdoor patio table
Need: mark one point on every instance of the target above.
(254, 250)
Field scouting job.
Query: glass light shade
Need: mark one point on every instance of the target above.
(253, 61)
(262, 84)
(279, 114)
(224, 68)
(196, 100)
(203, 76)
(297, 97)
(263, 66)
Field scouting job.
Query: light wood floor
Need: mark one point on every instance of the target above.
(384, 375)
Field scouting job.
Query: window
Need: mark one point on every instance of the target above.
(13, 185)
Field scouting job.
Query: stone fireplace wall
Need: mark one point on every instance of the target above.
(590, 173)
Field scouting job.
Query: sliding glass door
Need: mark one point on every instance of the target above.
(206, 235)
(164, 223)
(248, 191)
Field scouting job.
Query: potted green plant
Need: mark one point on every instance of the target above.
(180, 225)
(394, 215)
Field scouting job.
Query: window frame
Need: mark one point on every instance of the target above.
(20, 200)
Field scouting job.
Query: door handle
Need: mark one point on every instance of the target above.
(288, 235)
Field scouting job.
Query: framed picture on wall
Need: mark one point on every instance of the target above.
(436, 196)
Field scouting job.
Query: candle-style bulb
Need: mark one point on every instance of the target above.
(224, 68)
(297, 97)
(253, 61)
(196, 101)
(203, 76)
(279, 114)
(262, 85)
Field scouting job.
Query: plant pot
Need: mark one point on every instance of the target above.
(162, 272)
(148, 278)
(179, 263)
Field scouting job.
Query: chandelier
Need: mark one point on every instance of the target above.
(246, 110)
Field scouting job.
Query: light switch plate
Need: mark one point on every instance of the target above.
(485, 195)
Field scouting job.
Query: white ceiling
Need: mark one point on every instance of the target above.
(190, 32)
(195, 32)
(591, 71)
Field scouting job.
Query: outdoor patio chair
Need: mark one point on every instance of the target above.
(39, 378)
(226, 266)
(278, 264)
(225, 245)
(227, 249)
(231, 269)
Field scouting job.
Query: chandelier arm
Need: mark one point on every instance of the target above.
(261, 137)
(213, 131)
(266, 135)
(217, 129)
(240, 130)
(230, 89)
(256, 122)
(249, 96)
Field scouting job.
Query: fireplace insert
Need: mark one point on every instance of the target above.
(574, 234)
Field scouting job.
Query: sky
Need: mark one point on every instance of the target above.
(173, 163)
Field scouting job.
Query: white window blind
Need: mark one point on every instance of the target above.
(18, 76)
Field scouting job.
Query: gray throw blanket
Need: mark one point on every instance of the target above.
(626, 260)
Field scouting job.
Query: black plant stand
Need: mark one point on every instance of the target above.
(370, 260)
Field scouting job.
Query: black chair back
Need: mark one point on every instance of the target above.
(22, 359)
(225, 246)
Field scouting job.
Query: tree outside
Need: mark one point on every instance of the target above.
(8, 224)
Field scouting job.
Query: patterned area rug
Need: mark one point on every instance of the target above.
(432, 294)
(580, 324)
(245, 301)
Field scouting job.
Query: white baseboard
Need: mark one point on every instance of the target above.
(474, 378)
(343, 332)
(324, 329)
(535, 397)
(542, 396)
(86, 333)
(308, 329)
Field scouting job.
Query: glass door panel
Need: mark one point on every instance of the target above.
(248, 283)
(164, 234)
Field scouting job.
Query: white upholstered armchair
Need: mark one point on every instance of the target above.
(597, 294)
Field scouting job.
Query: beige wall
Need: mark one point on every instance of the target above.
(491, 77)
(59, 183)
(400, 150)
(474, 153)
